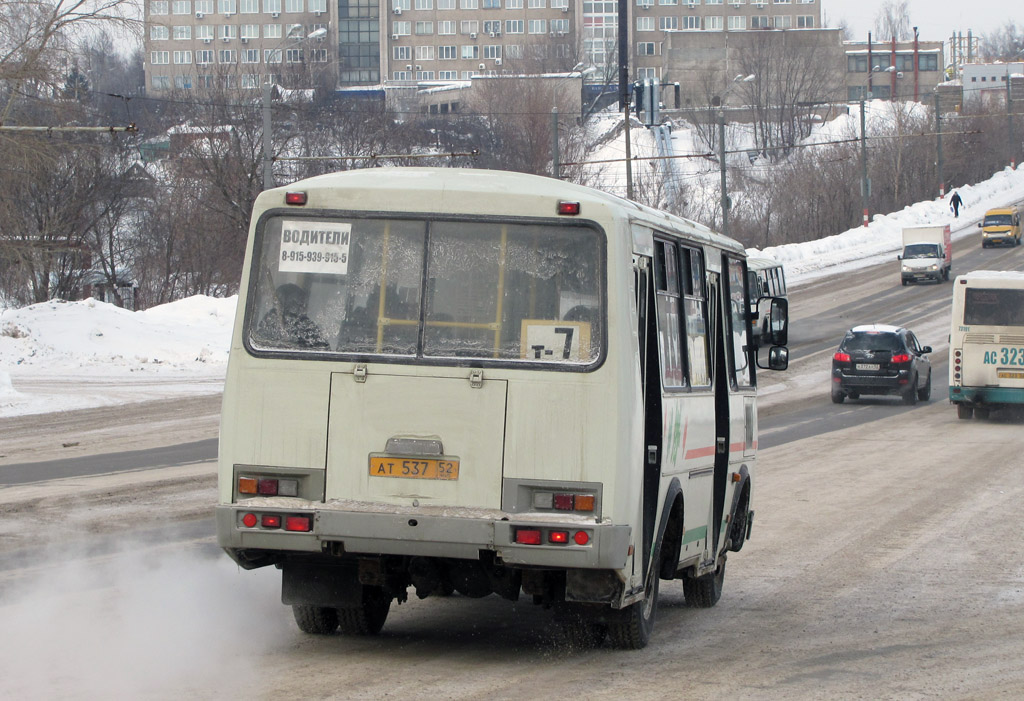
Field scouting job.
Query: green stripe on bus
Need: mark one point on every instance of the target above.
(695, 534)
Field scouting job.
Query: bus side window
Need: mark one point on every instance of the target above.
(666, 277)
(738, 319)
(695, 310)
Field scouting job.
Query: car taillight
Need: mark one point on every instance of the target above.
(841, 357)
(901, 358)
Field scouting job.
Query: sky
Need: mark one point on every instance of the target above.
(58, 356)
(936, 20)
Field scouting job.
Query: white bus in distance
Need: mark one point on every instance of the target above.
(765, 278)
(487, 382)
(986, 343)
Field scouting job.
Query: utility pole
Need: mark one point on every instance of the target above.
(555, 164)
(268, 157)
(629, 157)
(721, 161)
(1009, 121)
(938, 147)
(865, 184)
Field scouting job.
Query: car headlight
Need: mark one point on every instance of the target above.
(933, 267)
(906, 268)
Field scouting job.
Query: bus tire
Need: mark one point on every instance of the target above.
(925, 393)
(705, 591)
(963, 411)
(315, 620)
(738, 527)
(632, 627)
(910, 395)
(367, 618)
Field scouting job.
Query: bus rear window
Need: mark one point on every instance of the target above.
(993, 307)
(428, 289)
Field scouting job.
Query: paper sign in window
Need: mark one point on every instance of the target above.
(314, 247)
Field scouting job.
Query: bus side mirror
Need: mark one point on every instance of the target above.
(979, 225)
(774, 311)
(778, 358)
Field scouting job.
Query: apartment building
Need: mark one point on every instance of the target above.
(657, 24)
(237, 44)
(447, 40)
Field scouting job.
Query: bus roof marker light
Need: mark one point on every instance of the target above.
(295, 198)
(568, 208)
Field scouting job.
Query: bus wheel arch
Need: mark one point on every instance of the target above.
(671, 534)
(740, 520)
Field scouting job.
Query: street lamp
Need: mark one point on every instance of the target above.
(268, 158)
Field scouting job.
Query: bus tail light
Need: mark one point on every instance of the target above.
(568, 208)
(298, 523)
(268, 486)
(270, 521)
(558, 537)
(528, 536)
(581, 538)
(295, 198)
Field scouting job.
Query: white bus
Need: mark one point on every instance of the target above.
(765, 278)
(487, 382)
(986, 342)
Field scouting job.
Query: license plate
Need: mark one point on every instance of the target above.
(414, 468)
(867, 366)
(1010, 374)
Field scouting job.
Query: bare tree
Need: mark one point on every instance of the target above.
(1004, 44)
(791, 86)
(35, 35)
(893, 20)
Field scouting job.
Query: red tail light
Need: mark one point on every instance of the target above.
(558, 537)
(901, 358)
(528, 536)
(298, 523)
(842, 357)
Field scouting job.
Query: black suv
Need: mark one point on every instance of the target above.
(881, 359)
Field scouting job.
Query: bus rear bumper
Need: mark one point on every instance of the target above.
(986, 396)
(342, 532)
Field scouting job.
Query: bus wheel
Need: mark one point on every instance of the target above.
(963, 411)
(705, 591)
(316, 620)
(632, 630)
(367, 618)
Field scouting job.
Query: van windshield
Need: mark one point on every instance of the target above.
(428, 289)
(998, 220)
(922, 250)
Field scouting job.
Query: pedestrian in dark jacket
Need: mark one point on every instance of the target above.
(954, 204)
